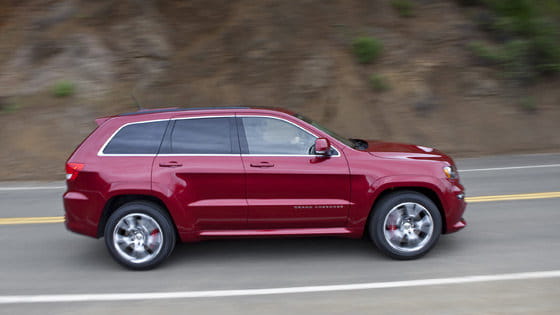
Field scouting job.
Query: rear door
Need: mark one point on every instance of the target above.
(287, 185)
(200, 165)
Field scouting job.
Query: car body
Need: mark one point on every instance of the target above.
(251, 172)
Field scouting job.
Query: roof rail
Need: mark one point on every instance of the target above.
(177, 109)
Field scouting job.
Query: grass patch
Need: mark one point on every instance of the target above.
(405, 8)
(367, 49)
(379, 83)
(63, 88)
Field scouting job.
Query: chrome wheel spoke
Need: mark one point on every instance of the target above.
(123, 240)
(139, 251)
(424, 225)
(413, 238)
(404, 211)
(397, 236)
(130, 222)
(412, 210)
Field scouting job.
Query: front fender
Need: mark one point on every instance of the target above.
(367, 190)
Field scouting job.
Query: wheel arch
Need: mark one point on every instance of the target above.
(118, 200)
(426, 191)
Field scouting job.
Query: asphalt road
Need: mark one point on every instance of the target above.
(503, 237)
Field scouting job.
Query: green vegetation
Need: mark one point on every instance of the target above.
(379, 83)
(526, 33)
(511, 57)
(63, 88)
(486, 52)
(405, 8)
(529, 104)
(367, 49)
(9, 108)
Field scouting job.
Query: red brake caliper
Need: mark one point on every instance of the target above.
(153, 233)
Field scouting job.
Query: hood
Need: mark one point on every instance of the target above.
(392, 150)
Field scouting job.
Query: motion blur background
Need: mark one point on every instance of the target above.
(471, 77)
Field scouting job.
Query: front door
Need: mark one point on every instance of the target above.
(200, 166)
(287, 185)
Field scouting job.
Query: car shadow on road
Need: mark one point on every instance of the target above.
(285, 249)
(265, 251)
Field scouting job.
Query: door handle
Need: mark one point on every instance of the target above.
(262, 164)
(170, 164)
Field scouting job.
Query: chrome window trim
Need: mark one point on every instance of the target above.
(100, 152)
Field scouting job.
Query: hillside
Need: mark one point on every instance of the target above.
(432, 90)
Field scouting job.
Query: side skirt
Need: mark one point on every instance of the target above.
(336, 231)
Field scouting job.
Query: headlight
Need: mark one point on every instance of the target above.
(451, 172)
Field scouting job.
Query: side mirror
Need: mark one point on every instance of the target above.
(322, 146)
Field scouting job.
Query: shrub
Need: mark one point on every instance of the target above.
(516, 61)
(63, 88)
(367, 49)
(528, 103)
(528, 33)
(486, 53)
(546, 48)
(513, 57)
(405, 8)
(379, 83)
(9, 107)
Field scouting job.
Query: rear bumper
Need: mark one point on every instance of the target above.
(81, 215)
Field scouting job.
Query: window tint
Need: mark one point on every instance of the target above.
(139, 138)
(202, 136)
(274, 136)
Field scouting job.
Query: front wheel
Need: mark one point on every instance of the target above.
(139, 235)
(405, 225)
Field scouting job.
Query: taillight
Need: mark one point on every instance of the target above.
(72, 170)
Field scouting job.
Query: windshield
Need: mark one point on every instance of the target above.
(346, 141)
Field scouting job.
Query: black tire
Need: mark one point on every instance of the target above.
(408, 200)
(141, 211)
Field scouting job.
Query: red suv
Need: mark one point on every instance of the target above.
(147, 179)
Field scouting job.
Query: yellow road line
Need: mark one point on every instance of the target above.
(555, 194)
(545, 195)
(31, 220)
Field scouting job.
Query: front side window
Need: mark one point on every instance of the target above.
(274, 136)
(137, 138)
(201, 136)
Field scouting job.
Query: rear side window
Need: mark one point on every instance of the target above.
(137, 138)
(201, 136)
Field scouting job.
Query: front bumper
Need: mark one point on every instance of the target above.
(455, 206)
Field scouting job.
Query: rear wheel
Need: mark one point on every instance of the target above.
(405, 225)
(139, 235)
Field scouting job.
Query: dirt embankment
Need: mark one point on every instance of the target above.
(293, 54)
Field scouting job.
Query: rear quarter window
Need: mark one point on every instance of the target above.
(137, 138)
